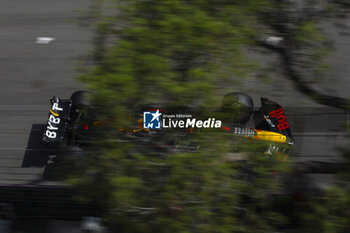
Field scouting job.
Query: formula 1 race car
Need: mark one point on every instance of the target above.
(71, 122)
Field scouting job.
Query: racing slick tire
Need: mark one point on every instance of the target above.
(80, 99)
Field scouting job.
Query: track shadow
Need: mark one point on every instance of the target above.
(37, 152)
(55, 160)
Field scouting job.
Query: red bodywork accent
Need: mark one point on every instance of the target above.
(278, 114)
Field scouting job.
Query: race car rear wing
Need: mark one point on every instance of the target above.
(57, 120)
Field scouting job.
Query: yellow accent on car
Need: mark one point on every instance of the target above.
(53, 113)
(270, 136)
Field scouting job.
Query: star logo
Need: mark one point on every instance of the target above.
(156, 115)
(152, 120)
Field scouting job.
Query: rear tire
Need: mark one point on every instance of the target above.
(80, 99)
(80, 105)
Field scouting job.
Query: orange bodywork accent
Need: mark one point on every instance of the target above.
(98, 122)
(53, 113)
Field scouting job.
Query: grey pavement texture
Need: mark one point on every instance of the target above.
(31, 73)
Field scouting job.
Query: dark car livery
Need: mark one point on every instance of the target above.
(69, 121)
